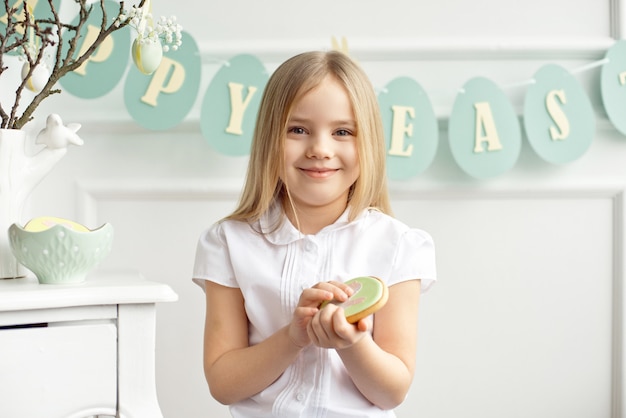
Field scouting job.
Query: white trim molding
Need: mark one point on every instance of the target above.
(366, 49)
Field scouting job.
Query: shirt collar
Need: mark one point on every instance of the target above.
(280, 231)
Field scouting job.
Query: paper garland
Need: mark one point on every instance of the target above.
(484, 132)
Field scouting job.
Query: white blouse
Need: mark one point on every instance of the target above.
(272, 266)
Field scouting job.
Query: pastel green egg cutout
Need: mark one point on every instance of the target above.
(162, 100)
(558, 116)
(613, 85)
(411, 131)
(484, 130)
(106, 66)
(231, 103)
(40, 11)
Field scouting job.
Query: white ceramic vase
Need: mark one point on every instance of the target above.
(19, 174)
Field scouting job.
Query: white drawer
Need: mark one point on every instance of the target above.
(69, 368)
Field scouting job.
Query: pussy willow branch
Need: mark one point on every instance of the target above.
(46, 30)
(46, 40)
(5, 46)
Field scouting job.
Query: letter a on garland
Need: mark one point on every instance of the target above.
(484, 131)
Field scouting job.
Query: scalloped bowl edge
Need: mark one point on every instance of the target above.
(60, 255)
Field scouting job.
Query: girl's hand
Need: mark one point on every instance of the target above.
(329, 328)
(308, 308)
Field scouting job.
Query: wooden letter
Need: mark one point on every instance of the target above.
(158, 83)
(238, 107)
(486, 124)
(561, 131)
(101, 54)
(399, 128)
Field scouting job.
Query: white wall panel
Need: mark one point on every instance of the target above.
(523, 319)
(289, 23)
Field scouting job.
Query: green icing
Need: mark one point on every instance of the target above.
(368, 291)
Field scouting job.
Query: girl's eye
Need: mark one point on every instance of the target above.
(343, 132)
(296, 130)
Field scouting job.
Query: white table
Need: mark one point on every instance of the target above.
(81, 350)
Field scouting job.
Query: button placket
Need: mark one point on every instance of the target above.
(310, 245)
(310, 261)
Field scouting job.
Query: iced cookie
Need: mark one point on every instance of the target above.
(370, 294)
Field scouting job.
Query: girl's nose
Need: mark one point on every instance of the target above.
(320, 147)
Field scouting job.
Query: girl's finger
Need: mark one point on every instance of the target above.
(340, 291)
(314, 296)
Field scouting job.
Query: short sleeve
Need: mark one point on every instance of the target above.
(415, 258)
(212, 260)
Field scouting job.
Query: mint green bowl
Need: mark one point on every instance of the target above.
(60, 255)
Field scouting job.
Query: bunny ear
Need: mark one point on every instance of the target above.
(74, 127)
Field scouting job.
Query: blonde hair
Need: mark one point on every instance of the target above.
(292, 80)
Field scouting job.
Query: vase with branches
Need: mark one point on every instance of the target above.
(50, 48)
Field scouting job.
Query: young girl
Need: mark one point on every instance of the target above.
(314, 213)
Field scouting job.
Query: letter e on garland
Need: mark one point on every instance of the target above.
(399, 129)
(410, 126)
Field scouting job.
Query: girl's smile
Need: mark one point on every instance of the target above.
(319, 172)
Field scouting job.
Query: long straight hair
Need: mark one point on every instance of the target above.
(292, 80)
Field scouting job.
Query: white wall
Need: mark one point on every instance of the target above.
(526, 319)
